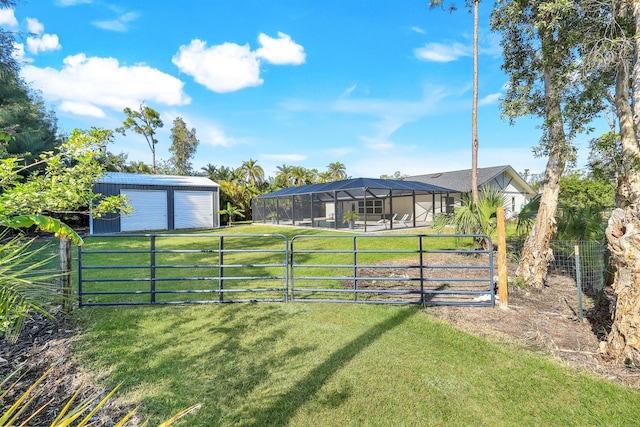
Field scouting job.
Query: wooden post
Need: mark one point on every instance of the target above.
(502, 260)
(65, 273)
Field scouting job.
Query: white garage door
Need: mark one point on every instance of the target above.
(149, 210)
(193, 209)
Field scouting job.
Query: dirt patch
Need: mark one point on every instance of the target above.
(44, 344)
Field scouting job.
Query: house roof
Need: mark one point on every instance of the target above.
(460, 180)
(161, 180)
(355, 188)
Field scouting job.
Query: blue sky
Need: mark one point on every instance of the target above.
(379, 85)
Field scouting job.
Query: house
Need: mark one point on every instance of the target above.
(159, 202)
(514, 188)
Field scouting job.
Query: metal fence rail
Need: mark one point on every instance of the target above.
(156, 269)
(390, 269)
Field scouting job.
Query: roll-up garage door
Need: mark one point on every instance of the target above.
(149, 210)
(193, 209)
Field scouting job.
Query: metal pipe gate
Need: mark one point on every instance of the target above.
(213, 268)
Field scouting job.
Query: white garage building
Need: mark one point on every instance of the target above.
(159, 202)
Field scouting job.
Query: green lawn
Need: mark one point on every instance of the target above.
(320, 364)
(334, 365)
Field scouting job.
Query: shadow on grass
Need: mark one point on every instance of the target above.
(283, 410)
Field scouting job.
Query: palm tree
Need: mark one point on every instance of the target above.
(474, 108)
(251, 172)
(283, 179)
(475, 217)
(299, 175)
(232, 212)
(337, 171)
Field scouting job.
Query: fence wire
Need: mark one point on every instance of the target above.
(585, 262)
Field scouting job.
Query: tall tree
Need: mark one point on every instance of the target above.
(252, 173)
(540, 41)
(474, 107)
(337, 171)
(284, 178)
(143, 121)
(614, 49)
(184, 144)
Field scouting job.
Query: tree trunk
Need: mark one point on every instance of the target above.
(474, 110)
(65, 274)
(623, 229)
(537, 252)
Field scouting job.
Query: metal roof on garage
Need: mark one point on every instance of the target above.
(161, 180)
(357, 187)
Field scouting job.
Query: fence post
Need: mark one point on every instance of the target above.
(579, 282)
(152, 268)
(65, 277)
(502, 260)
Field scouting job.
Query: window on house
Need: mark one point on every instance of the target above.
(371, 207)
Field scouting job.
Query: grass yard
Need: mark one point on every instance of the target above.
(334, 365)
(321, 364)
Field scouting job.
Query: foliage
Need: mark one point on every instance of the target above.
(69, 414)
(336, 171)
(349, 216)
(63, 182)
(583, 223)
(577, 191)
(23, 115)
(24, 284)
(232, 212)
(184, 144)
(605, 156)
(527, 216)
(396, 175)
(474, 217)
(143, 121)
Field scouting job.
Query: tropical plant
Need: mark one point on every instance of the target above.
(69, 414)
(350, 216)
(527, 216)
(337, 171)
(474, 218)
(24, 284)
(232, 212)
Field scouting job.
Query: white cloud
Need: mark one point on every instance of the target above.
(280, 51)
(82, 109)
(284, 157)
(490, 99)
(229, 67)
(222, 68)
(439, 52)
(120, 24)
(42, 44)
(86, 85)
(8, 18)
(417, 30)
(348, 91)
(213, 135)
(34, 26)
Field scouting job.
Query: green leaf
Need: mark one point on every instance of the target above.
(44, 223)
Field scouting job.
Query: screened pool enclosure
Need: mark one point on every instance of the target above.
(366, 204)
